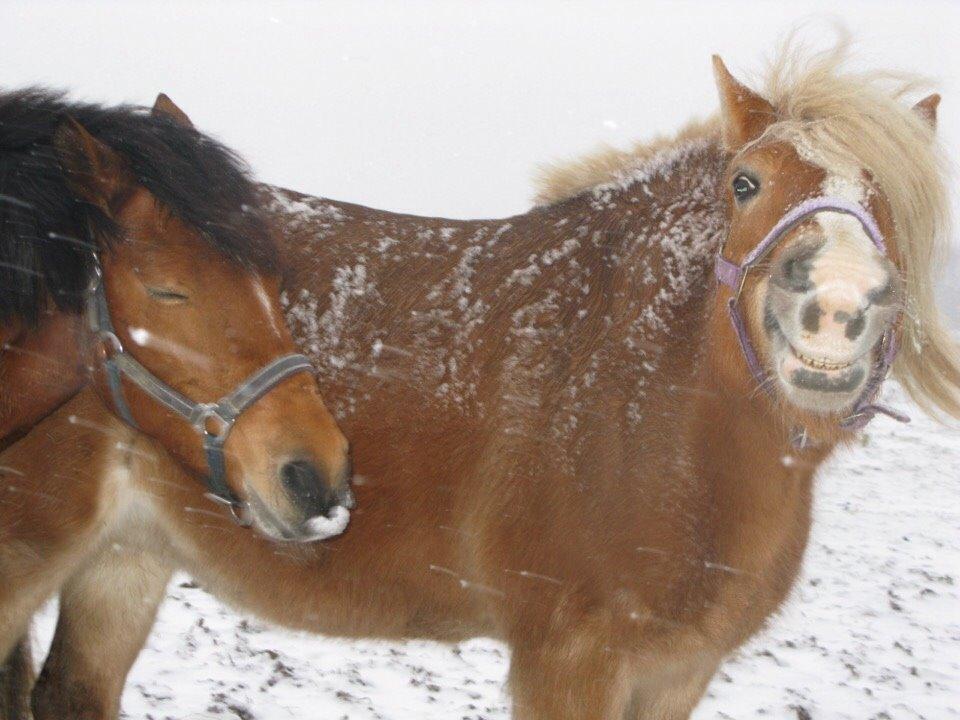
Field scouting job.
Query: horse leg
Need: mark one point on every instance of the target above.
(29, 574)
(49, 527)
(569, 667)
(548, 682)
(16, 680)
(658, 698)
(32, 569)
(106, 612)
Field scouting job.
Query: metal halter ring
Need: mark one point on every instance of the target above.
(109, 344)
(209, 412)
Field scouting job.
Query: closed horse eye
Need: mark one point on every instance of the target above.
(745, 187)
(167, 295)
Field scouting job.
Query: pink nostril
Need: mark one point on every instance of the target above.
(832, 313)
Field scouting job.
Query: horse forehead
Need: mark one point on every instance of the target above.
(847, 241)
(840, 177)
(151, 231)
(845, 234)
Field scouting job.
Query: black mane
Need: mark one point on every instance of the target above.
(46, 233)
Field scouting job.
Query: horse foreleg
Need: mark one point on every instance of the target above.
(58, 498)
(36, 555)
(106, 611)
(548, 684)
(16, 680)
(669, 695)
(569, 667)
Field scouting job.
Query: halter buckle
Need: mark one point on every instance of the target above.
(108, 344)
(239, 511)
(211, 423)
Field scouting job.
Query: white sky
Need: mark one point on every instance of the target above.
(444, 107)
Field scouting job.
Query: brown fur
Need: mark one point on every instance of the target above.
(230, 325)
(40, 368)
(558, 441)
(490, 514)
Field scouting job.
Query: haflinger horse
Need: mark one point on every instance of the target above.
(127, 234)
(569, 435)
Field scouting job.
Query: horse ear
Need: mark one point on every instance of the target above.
(166, 107)
(927, 110)
(94, 172)
(744, 114)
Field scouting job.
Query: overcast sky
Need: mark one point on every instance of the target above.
(441, 108)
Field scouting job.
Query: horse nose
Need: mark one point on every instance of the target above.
(837, 314)
(308, 488)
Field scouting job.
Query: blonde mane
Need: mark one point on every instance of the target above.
(864, 118)
(845, 118)
(556, 182)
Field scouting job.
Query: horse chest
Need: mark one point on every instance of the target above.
(760, 541)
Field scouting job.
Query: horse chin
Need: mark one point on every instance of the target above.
(267, 523)
(817, 386)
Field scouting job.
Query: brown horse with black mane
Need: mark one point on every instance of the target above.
(163, 243)
(560, 434)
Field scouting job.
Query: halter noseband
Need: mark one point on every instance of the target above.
(212, 421)
(734, 276)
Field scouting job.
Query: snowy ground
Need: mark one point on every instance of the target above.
(872, 630)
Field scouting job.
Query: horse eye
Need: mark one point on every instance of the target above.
(167, 295)
(745, 187)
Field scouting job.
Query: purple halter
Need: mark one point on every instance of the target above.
(734, 276)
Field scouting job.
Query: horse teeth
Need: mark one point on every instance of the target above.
(820, 364)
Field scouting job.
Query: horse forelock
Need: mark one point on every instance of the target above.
(46, 234)
(841, 119)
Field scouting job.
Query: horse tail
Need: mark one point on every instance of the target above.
(16, 681)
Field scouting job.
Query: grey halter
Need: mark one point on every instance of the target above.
(212, 421)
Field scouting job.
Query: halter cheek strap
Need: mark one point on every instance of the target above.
(212, 421)
(734, 275)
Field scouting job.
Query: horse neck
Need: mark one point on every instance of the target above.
(688, 395)
(40, 369)
(648, 242)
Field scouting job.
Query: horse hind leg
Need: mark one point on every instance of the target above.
(16, 681)
(106, 612)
